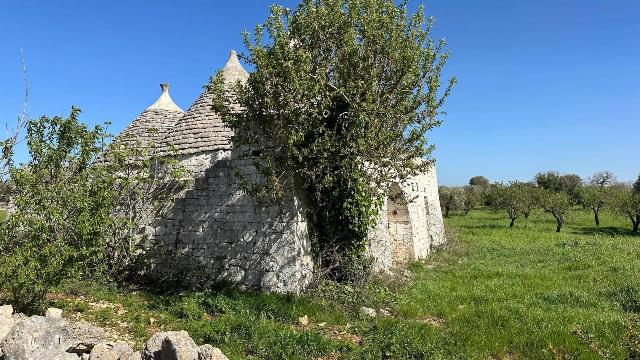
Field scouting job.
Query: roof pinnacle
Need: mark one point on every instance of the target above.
(165, 102)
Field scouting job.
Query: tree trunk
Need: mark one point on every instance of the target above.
(636, 224)
(526, 215)
(560, 222)
(513, 222)
(446, 211)
(596, 215)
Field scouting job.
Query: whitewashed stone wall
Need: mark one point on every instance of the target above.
(213, 227)
(418, 220)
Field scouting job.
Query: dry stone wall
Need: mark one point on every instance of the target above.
(216, 230)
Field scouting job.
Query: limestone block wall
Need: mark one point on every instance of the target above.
(213, 227)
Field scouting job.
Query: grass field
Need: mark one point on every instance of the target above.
(494, 293)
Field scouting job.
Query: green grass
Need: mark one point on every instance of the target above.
(494, 293)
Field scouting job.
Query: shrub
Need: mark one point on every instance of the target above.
(63, 211)
(76, 208)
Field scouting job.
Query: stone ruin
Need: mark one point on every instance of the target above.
(215, 227)
(53, 337)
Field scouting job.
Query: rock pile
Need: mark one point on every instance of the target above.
(52, 337)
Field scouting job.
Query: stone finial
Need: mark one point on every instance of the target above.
(164, 102)
(233, 70)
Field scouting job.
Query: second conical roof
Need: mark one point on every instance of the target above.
(151, 126)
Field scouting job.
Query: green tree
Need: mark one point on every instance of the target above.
(593, 197)
(549, 180)
(473, 197)
(636, 185)
(451, 199)
(513, 198)
(570, 184)
(342, 96)
(481, 181)
(602, 179)
(558, 204)
(553, 181)
(530, 198)
(626, 202)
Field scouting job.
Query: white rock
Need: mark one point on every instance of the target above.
(53, 313)
(170, 345)
(303, 320)
(369, 312)
(208, 352)
(135, 356)
(6, 311)
(109, 351)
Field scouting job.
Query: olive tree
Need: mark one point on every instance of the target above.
(549, 180)
(625, 201)
(481, 181)
(593, 197)
(473, 197)
(512, 197)
(451, 199)
(602, 179)
(558, 204)
(636, 185)
(338, 107)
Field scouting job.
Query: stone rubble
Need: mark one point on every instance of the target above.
(53, 337)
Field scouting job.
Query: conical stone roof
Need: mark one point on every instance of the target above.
(151, 126)
(201, 129)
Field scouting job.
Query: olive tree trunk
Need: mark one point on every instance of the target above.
(559, 222)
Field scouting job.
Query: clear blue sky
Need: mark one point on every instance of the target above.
(544, 85)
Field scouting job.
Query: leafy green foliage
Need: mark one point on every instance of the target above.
(593, 197)
(480, 181)
(76, 208)
(63, 211)
(143, 182)
(626, 202)
(451, 199)
(553, 181)
(473, 197)
(517, 199)
(636, 186)
(558, 204)
(342, 96)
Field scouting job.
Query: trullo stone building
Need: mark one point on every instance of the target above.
(216, 230)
